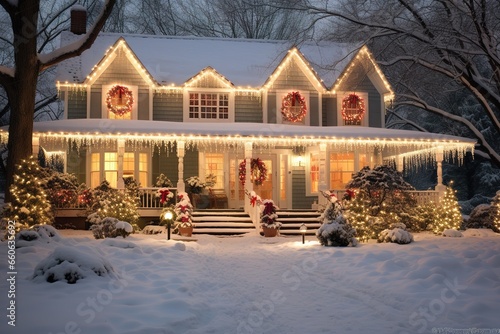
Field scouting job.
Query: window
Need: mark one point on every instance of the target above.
(214, 164)
(105, 166)
(342, 167)
(314, 172)
(209, 106)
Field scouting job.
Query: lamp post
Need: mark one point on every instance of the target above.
(303, 230)
(167, 216)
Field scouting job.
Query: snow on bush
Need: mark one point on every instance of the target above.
(335, 230)
(71, 264)
(452, 233)
(480, 217)
(397, 235)
(38, 233)
(110, 227)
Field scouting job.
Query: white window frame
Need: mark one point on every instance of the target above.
(281, 94)
(104, 92)
(307, 162)
(341, 95)
(113, 150)
(195, 90)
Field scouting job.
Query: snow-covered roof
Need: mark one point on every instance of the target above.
(173, 60)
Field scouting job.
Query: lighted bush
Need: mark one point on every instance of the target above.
(335, 230)
(110, 227)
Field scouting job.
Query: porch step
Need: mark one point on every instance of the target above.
(222, 222)
(291, 221)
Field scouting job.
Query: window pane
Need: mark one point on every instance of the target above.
(95, 179)
(214, 164)
(314, 172)
(341, 169)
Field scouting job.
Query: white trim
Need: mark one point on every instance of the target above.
(66, 103)
(104, 92)
(320, 109)
(265, 109)
(364, 95)
(89, 99)
(150, 96)
(185, 104)
(307, 169)
(280, 95)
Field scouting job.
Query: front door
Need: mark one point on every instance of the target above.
(268, 189)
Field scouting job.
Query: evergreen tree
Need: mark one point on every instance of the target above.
(30, 204)
(495, 212)
(335, 229)
(447, 214)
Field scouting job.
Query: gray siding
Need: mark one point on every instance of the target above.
(313, 109)
(299, 198)
(293, 77)
(76, 164)
(271, 108)
(167, 107)
(95, 104)
(248, 109)
(77, 104)
(330, 111)
(208, 82)
(143, 105)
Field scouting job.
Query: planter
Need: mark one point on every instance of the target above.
(270, 232)
(186, 231)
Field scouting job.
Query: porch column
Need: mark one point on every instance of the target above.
(120, 143)
(322, 186)
(440, 187)
(35, 144)
(399, 164)
(181, 187)
(248, 180)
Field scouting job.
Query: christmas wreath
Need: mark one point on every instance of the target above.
(293, 107)
(353, 109)
(258, 171)
(119, 100)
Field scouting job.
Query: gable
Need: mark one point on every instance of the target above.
(209, 78)
(122, 70)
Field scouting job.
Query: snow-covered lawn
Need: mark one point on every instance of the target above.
(252, 284)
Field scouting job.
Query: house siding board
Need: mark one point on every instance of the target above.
(248, 109)
(167, 107)
(293, 78)
(167, 163)
(95, 104)
(77, 105)
(143, 106)
(299, 198)
(313, 109)
(271, 108)
(330, 111)
(208, 81)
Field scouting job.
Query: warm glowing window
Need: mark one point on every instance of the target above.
(314, 172)
(214, 164)
(209, 106)
(143, 169)
(111, 168)
(95, 169)
(128, 164)
(341, 169)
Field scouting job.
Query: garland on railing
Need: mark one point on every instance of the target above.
(165, 195)
(258, 171)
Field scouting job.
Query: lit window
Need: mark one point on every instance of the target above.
(128, 164)
(214, 164)
(111, 168)
(95, 167)
(143, 169)
(209, 106)
(314, 173)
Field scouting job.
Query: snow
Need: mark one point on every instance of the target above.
(452, 233)
(253, 284)
(124, 226)
(174, 59)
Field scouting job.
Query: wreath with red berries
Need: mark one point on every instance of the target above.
(258, 171)
(119, 100)
(353, 109)
(293, 107)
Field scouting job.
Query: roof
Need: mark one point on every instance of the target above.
(173, 60)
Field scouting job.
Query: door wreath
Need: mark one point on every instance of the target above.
(258, 171)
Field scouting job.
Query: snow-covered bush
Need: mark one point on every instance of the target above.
(452, 233)
(396, 233)
(71, 264)
(162, 181)
(335, 230)
(43, 233)
(111, 227)
(62, 189)
(480, 217)
(182, 210)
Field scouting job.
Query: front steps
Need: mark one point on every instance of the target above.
(292, 219)
(221, 222)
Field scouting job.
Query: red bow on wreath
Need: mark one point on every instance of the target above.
(268, 208)
(164, 194)
(349, 194)
(185, 219)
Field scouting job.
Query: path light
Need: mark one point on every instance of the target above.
(167, 216)
(303, 230)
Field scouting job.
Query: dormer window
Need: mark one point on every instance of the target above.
(353, 108)
(207, 105)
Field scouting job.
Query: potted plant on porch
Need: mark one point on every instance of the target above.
(268, 218)
(183, 209)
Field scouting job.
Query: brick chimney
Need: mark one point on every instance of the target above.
(78, 20)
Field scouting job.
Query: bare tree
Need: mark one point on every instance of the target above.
(19, 75)
(454, 44)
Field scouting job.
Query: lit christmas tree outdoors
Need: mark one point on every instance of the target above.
(447, 214)
(495, 212)
(30, 204)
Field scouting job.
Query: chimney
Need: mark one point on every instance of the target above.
(78, 20)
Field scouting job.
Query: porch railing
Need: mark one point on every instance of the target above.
(421, 196)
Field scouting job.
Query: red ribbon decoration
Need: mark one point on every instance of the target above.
(253, 200)
(268, 208)
(350, 194)
(164, 194)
